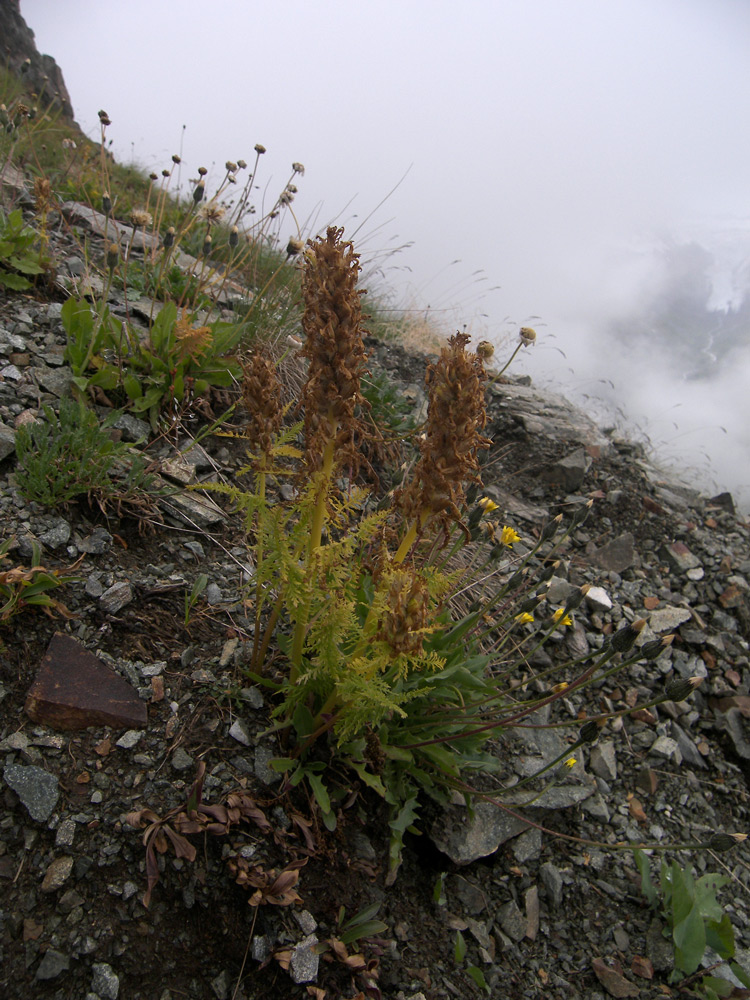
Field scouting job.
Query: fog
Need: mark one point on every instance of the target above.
(580, 167)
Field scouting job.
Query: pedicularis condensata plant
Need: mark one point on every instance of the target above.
(386, 674)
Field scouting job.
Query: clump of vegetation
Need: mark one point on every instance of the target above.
(24, 587)
(16, 259)
(70, 455)
(695, 920)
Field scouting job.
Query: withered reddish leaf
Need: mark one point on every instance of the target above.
(351, 961)
(642, 967)
(636, 810)
(182, 847)
(306, 828)
(613, 982)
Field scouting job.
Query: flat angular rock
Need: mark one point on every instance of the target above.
(35, 787)
(617, 555)
(73, 689)
(465, 839)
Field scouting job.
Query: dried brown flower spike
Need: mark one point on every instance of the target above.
(261, 395)
(456, 417)
(332, 322)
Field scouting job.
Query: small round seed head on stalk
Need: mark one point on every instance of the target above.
(26, 66)
(241, 164)
(332, 322)
(456, 417)
(259, 148)
(725, 841)
(113, 256)
(166, 173)
(168, 240)
(624, 638)
(231, 166)
(140, 218)
(653, 649)
(212, 213)
(234, 237)
(589, 732)
(202, 171)
(199, 190)
(153, 177)
(550, 528)
(682, 688)
(104, 119)
(576, 598)
(207, 245)
(298, 168)
(176, 158)
(527, 335)
(106, 203)
(294, 247)
(485, 350)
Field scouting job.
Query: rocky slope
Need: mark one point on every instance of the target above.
(537, 913)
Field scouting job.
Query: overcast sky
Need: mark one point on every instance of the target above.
(538, 139)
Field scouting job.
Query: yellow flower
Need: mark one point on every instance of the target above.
(487, 505)
(559, 688)
(571, 762)
(567, 620)
(509, 536)
(524, 618)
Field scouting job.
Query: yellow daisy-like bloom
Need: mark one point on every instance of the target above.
(567, 620)
(509, 536)
(571, 762)
(487, 505)
(559, 688)
(524, 618)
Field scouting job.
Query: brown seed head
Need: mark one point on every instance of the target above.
(104, 119)
(455, 419)
(140, 218)
(332, 322)
(527, 335)
(260, 148)
(261, 395)
(202, 171)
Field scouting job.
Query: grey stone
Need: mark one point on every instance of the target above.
(667, 619)
(57, 535)
(53, 963)
(736, 726)
(527, 846)
(55, 380)
(130, 739)
(222, 985)
(679, 557)
(569, 472)
(617, 555)
(306, 921)
(665, 746)
(305, 960)
(239, 731)
(35, 787)
(7, 441)
(105, 982)
(213, 594)
(688, 749)
(181, 760)
(552, 880)
(57, 874)
(598, 599)
(97, 543)
(603, 761)
(472, 899)
(465, 838)
(196, 509)
(263, 754)
(253, 696)
(116, 597)
(597, 807)
(132, 428)
(512, 921)
(65, 833)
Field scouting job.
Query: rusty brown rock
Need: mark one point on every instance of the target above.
(73, 689)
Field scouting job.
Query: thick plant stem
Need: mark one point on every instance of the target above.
(316, 534)
(261, 491)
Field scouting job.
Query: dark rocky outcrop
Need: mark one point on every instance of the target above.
(40, 73)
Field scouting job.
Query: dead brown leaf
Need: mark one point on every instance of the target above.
(613, 981)
(642, 967)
